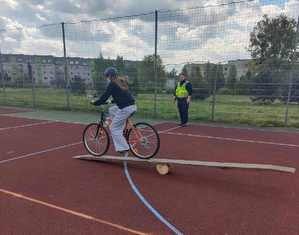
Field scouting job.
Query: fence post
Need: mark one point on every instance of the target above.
(2, 76)
(214, 98)
(290, 76)
(286, 117)
(155, 63)
(32, 85)
(65, 68)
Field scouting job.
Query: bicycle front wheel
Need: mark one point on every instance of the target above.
(96, 139)
(144, 140)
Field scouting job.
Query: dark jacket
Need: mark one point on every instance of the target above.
(122, 98)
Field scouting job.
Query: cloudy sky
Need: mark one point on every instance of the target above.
(211, 30)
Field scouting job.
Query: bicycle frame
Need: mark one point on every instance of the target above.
(128, 127)
(134, 134)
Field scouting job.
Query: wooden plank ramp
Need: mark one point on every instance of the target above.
(191, 163)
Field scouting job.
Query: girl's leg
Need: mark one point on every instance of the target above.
(113, 111)
(118, 122)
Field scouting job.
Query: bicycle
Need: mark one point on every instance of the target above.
(140, 136)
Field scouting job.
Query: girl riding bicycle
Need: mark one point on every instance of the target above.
(125, 106)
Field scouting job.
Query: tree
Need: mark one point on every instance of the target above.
(291, 89)
(39, 71)
(184, 70)
(273, 41)
(77, 85)
(208, 75)
(120, 65)
(195, 75)
(172, 74)
(213, 76)
(132, 72)
(146, 72)
(200, 86)
(232, 77)
(272, 46)
(242, 86)
(220, 77)
(97, 70)
(7, 78)
(58, 82)
(18, 76)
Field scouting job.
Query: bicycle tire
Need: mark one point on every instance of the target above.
(157, 147)
(85, 141)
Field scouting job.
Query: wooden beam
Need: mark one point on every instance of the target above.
(192, 163)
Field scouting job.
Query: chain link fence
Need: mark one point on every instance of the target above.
(56, 66)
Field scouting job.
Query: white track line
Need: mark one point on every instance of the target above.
(40, 152)
(170, 129)
(257, 129)
(154, 211)
(71, 212)
(50, 120)
(26, 125)
(231, 139)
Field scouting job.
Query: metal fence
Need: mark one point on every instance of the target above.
(54, 66)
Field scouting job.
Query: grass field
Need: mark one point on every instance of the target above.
(229, 109)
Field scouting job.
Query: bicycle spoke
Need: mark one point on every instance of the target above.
(96, 141)
(144, 140)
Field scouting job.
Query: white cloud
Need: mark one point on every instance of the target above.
(271, 10)
(227, 39)
(292, 9)
(11, 3)
(213, 33)
(41, 17)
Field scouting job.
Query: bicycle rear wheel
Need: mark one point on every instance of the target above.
(144, 140)
(96, 139)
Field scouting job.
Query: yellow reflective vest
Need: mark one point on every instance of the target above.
(181, 90)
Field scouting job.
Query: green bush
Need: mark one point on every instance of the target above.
(225, 91)
(202, 91)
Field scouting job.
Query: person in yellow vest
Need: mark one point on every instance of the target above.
(183, 93)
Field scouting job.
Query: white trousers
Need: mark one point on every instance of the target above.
(119, 118)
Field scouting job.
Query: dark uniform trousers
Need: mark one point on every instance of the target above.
(183, 107)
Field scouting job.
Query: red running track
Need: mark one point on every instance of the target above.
(196, 200)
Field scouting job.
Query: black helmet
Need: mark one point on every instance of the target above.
(110, 72)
